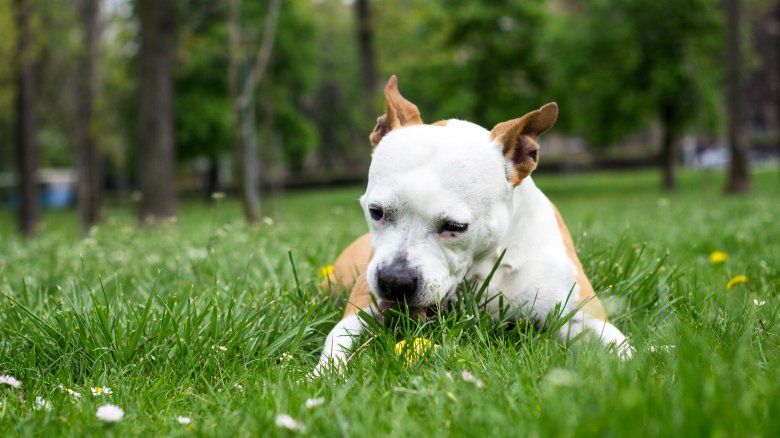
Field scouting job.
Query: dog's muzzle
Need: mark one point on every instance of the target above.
(397, 281)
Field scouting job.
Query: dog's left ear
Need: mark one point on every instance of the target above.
(518, 139)
(399, 112)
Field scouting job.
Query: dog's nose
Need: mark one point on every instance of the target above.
(397, 281)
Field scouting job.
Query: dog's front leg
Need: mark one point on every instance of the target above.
(340, 342)
(607, 333)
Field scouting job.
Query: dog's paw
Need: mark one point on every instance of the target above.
(335, 365)
(624, 350)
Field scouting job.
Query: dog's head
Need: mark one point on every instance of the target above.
(440, 196)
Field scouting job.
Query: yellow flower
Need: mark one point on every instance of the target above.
(419, 349)
(326, 271)
(718, 257)
(736, 280)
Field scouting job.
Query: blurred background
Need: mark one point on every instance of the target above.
(143, 103)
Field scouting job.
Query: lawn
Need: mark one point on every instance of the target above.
(210, 319)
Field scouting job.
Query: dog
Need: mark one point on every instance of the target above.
(447, 202)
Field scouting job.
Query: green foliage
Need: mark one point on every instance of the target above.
(467, 59)
(145, 312)
(290, 82)
(618, 65)
(202, 113)
(7, 51)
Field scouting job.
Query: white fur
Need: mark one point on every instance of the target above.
(422, 173)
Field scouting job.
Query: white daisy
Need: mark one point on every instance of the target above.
(97, 391)
(110, 413)
(10, 381)
(468, 377)
(314, 402)
(287, 422)
(218, 348)
(73, 393)
(183, 420)
(758, 302)
(238, 387)
(286, 357)
(42, 404)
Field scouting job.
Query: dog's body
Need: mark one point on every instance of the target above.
(443, 202)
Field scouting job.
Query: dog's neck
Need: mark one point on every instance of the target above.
(532, 226)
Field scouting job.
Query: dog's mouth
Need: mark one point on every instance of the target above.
(415, 312)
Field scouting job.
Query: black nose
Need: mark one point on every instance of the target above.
(397, 281)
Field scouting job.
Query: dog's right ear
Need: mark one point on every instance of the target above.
(399, 112)
(517, 139)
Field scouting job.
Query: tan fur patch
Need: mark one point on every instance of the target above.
(587, 296)
(350, 265)
(440, 123)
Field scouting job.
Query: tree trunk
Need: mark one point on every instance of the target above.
(156, 153)
(365, 40)
(669, 146)
(244, 77)
(212, 178)
(26, 146)
(738, 175)
(242, 125)
(87, 155)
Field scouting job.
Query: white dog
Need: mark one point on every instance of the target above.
(443, 202)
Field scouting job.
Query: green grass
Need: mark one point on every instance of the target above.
(144, 311)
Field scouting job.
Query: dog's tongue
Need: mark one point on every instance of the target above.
(420, 313)
(384, 306)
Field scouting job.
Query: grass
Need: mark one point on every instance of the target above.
(220, 322)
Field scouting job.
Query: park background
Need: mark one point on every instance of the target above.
(175, 177)
(113, 101)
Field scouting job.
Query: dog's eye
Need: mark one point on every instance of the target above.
(376, 213)
(453, 227)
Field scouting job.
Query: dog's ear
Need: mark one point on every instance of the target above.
(399, 112)
(518, 139)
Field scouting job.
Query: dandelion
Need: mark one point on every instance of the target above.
(42, 404)
(326, 271)
(101, 390)
(718, 257)
(739, 279)
(110, 413)
(758, 302)
(183, 420)
(287, 422)
(314, 402)
(10, 381)
(419, 349)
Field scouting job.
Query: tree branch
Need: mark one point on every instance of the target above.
(263, 54)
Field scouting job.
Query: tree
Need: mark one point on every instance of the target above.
(618, 65)
(26, 145)
(156, 152)
(87, 154)
(244, 77)
(738, 176)
(365, 42)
